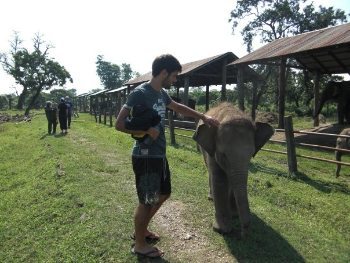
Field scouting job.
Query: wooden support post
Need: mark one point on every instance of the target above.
(104, 103)
(292, 158)
(119, 103)
(254, 99)
(171, 127)
(223, 80)
(186, 89)
(316, 96)
(282, 92)
(240, 87)
(206, 97)
(110, 111)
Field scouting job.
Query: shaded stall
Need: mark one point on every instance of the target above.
(324, 51)
(115, 100)
(98, 105)
(204, 72)
(81, 102)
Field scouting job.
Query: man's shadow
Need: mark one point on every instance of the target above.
(56, 135)
(263, 244)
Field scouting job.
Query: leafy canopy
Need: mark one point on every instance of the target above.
(274, 19)
(111, 75)
(33, 70)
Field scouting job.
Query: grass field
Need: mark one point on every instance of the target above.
(71, 199)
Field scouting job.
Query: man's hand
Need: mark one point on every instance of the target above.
(153, 132)
(210, 121)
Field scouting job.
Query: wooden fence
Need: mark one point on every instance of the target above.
(289, 141)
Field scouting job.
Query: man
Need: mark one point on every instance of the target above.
(70, 110)
(149, 160)
(51, 116)
(62, 115)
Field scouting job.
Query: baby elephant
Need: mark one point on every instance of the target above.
(227, 151)
(342, 143)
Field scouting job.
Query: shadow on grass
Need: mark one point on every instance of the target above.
(264, 244)
(56, 135)
(147, 259)
(322, 186)
(257, 167)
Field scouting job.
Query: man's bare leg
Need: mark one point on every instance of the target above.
(143, 215)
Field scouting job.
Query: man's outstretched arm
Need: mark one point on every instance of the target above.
(187, 111)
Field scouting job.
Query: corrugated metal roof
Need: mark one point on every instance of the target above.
(326, 50)
(98, 93)
(202, 72)
(116, 90)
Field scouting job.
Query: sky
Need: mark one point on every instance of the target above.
(123, 31)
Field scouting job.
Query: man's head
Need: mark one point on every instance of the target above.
(67, 98)
(166, 67)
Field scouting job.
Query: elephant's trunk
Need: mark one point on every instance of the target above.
(239, 182)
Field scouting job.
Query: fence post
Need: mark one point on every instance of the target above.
(171, 127)
(292, 159)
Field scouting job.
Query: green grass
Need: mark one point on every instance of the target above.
(71, 199)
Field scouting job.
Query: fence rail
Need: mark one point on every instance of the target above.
(289, 142)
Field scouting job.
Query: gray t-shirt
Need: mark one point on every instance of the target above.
(157, 100)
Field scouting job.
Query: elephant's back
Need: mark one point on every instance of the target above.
(226, 113)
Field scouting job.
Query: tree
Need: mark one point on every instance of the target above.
(56, 94)
(274, 19)
(34, 71)
(111, 75)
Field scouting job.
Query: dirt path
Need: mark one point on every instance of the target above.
(182, 240)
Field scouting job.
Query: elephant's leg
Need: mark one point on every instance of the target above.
(233, 204)
(220, 191)
(338, 158)
(210, 194)
(341, 113)
(206, 157)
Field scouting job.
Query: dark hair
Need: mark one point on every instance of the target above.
(167, 62)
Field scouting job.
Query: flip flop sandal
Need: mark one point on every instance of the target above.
(150, 238)
(149, 254)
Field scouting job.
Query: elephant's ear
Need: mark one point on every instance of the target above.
(263, 133)
(205, 137)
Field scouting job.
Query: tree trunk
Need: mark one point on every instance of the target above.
(32, 101)
(22, 98)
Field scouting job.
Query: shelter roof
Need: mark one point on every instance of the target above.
(84, 94)
(202, 72)
(116, 90)
(98, 93)
(326, 50)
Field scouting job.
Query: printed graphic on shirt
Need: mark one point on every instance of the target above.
(159, 106)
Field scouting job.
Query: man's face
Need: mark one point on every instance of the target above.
(169, 79)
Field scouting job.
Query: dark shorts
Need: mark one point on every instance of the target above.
(152, 177)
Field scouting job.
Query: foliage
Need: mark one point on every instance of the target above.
(56, 94)
(274, 19)
(33, 70)
(4, 102)
(111, 75)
